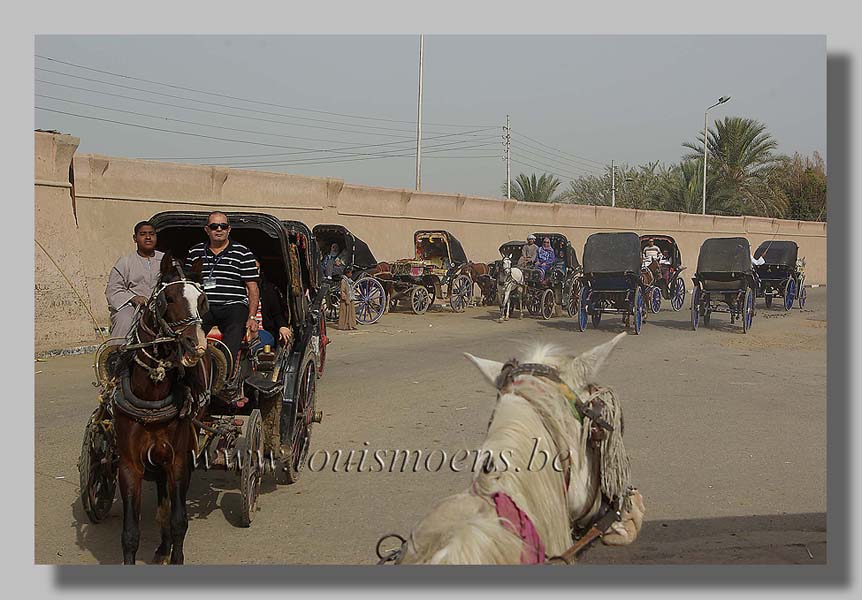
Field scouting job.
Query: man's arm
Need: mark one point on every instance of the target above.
(117, 292)
(253, 299)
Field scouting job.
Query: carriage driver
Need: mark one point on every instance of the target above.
(650, 252)
(230, 282)
(132, 280)
(529, 252)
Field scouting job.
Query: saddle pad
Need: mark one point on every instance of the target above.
(519, 523)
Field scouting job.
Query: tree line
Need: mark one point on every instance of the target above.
(745, 176)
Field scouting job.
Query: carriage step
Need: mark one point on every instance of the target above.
(317, 417)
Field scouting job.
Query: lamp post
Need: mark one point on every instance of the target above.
(721, 100)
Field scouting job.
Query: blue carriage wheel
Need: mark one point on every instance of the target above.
(583, 312)
(789, 294)
(638, 310)
(695, 308)
(677, 298)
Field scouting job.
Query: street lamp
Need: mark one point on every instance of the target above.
(721, 100)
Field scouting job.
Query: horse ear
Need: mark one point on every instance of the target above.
(167, 264)
(585, 367)
(489, 368)
(196, 270)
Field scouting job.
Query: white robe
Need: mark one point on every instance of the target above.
(132, 275)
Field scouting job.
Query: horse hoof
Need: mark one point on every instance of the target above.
(161, 559)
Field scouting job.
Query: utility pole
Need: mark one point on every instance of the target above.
(419, 119)
(507, 143)
(613, 185)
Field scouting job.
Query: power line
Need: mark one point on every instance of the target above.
(556, 158)
(514, 160)
(560, 163)
(346, 160)
(465, 133)
(205, 124)
(188, 89)
(561, 151)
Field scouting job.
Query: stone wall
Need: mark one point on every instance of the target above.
(86, 226)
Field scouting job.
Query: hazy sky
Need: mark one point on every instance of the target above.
(575, 102)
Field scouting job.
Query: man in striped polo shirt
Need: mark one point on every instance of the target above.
(229, 277)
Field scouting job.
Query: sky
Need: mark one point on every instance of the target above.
(575, 102)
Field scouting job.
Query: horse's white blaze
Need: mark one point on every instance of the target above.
(192, 294)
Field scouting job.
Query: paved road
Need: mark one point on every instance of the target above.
(727, 435)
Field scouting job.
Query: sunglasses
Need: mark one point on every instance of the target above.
(216, 226)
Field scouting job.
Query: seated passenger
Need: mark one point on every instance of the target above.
(545, 257)
(272, 315)
(329, 260)
(650, 252)
(665, 263)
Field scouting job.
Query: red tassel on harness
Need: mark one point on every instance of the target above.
(519, 523)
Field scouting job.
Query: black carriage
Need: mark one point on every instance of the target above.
(724, 282)
(369, 294)
(611, 280)
(558, 287)
(433, 273)
(780, 273)
(264, 424)
(662, 277)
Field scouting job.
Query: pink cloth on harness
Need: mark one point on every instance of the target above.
(519, 523)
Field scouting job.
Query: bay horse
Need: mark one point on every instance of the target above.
(510, 279)
(163, 386)
(547, 470)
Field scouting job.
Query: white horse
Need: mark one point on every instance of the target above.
(534, 419)
(510, 279)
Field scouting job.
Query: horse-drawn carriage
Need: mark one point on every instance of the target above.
(255, 415)
(369, 294)
(433, 273)
(781, 274)
(545, 293)
(724, 282)
(663, 274)
(611, 280)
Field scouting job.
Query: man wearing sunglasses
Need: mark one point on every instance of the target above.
(230, 278)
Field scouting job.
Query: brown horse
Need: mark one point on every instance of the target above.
(163, 386)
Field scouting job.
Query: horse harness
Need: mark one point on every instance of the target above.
(170, 407)
(513, 517)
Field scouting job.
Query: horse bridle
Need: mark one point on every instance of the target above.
(169, 331)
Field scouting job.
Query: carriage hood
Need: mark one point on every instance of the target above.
(514, 247)
(724, 255)
(612, 253)
(361, 256)
(561, 245)
(778, 252)
(664, 241)
(456, 251)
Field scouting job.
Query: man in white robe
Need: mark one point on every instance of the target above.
(132, 280)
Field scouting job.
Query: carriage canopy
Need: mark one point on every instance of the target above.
(439, 243)
(513, 248)
(778, 252)
(665, 242)
(724, 255)
(612, 253)
(562, 247)
(361, 256)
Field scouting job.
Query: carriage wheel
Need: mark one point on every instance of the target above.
(461, 293)
(420, 299)
(583, 301)
(789, 294)
(695, 308)
(677, 298)
(654, 296)
(97, 468)
(250, 449)
(748, 310)
(802, 294)
(548, 304)
(300, 435)
(573, 299)
(597, 314)
(370, 300)
(768, 301)
(323, 341)
(639, 310)
(707, 315)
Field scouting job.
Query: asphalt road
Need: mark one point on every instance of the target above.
(726, 432)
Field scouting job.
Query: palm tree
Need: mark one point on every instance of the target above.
(682, 191)
(530, 189)
(740, 151)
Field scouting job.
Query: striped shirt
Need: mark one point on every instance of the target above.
(231, 269)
